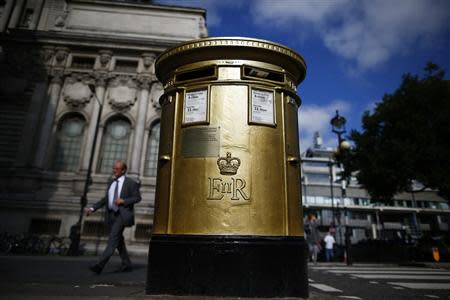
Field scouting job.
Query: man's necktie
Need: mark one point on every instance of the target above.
(116, 196)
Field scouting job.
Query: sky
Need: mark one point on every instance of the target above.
(355, 50)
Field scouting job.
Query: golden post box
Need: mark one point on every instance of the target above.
(228, 215)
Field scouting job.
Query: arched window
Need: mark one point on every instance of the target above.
(151, 157)
(68, 144)
(115, 142)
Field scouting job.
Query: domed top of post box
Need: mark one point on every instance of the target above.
(231, 48)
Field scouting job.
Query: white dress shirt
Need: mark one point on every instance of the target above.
(111, 204)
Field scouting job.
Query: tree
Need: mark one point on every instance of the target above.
(406, 138)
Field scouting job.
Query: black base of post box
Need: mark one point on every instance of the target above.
(236, 266)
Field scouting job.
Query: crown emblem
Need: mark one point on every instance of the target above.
(228, 165)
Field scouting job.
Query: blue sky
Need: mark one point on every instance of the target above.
(355, 50)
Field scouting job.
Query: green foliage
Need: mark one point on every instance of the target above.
(406, 138)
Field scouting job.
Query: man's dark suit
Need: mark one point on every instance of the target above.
(117, 221)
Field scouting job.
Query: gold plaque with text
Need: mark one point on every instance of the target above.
(200, 142)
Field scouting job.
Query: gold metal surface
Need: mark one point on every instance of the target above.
(229, 175)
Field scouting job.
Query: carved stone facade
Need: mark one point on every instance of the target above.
(61, 64)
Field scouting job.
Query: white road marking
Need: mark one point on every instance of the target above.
(350, 297)
(310, 280)
(325, 288)
(373, 282)
(388, 276)
(101, 285)
(432, 296)
(375, 268)
(398, 288)
(390, 272)
(422, 285)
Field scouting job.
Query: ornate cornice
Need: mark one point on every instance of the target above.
(148, 59)
(101, 78)
(61, 55)
(57, 76)
(104, 58)
(76, 90)
(122, 92)
(146, 81)
(47, 54)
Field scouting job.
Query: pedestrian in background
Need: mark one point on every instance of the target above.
(312, 237)
(329, 244)
(121, 195)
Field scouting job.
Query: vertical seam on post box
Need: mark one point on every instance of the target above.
(286, 207)
(172, 162)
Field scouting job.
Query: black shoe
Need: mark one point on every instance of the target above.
(125, 269)
(96, 269)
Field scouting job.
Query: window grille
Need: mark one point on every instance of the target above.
(151, 158)
(143, 231)
(80, 62)
(114, 144)
(95, 228)
(68, 144)
(126, 66)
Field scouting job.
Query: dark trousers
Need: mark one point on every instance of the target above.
(115, 241)
(329, 254)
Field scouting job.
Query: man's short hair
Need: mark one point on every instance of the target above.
(124, 165)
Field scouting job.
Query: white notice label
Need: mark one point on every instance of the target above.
(196, 106)
(262, 107)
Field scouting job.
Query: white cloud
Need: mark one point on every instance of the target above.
(367, 33)
(314, 118)
(284, 12)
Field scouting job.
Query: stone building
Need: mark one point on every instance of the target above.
(69, 69)
(422, 213)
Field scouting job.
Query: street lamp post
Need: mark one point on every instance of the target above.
(75, 231)
(333, 215)
(338, 127)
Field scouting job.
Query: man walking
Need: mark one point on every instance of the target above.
(329, 243)
(121, 195)
(312, 237)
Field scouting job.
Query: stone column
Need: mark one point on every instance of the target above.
(36, 13)
(100, 94)
(47, 125)
(136, 155)
(6, 12)
(17, 12)
(26, 148)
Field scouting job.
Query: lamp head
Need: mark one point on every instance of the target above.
(338, 123)
(345, 145)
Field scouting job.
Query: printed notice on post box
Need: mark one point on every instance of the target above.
(262, 107)
(196, 106)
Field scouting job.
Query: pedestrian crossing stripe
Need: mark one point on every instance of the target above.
(372, 269)
(324, 287)
(422, 285)
(396, 276)
(390, 272)
(409, 278)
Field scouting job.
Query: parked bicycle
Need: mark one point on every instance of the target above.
(33, 244)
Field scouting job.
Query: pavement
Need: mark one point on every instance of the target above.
(62, 277)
